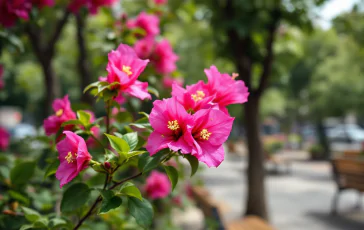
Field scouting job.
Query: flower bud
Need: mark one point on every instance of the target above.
(107, 165)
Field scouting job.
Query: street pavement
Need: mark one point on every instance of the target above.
(300, 200)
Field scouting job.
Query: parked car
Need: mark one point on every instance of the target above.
(346, 137)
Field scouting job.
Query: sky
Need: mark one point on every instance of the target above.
(333, 8)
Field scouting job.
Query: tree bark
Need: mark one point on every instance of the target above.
(52, 88)
(83, 66)
(323, 140)
(44, 52)
(256, 202)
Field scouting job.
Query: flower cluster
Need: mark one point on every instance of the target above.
(11, 11)
(124, 68)
(62, 113)
(160, 53)
(195, 120)
(149, 23)
(92, 5)
(157, 185)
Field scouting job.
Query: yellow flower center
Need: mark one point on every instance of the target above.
(173, 125)
(204, 134)
(198, 96)
(127, 70)
(70, 158)
(59, 112)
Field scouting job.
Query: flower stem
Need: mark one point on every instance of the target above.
(125, 180)
(88, 213)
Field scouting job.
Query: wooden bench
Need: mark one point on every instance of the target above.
(352, 153)
(348, 174)
(211, 212)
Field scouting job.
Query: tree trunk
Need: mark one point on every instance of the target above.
(323, 140)
(256, 204)
(52, 87)
(83, 67)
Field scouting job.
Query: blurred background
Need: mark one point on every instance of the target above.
(301, 59)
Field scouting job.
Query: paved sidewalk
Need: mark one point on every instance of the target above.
(300, 200)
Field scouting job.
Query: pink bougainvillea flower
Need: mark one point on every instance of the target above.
(63, 112)
(158, 185)
(212, 128)
(124, 67)
(4, 139)
(160, 2)
(164, 58)
(11, 11)
(194, 97)
(43, 3)
(144, 47)
(92, 5)
(169, 81)
(172, 127)
(227, 90)
(76, 5)
(148, 22)
(96, 4)
(73, 156)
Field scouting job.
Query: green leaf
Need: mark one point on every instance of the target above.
(109, 201)
(52, 168)
(71, 122)
(41, 223)
(144, 114)
(134, 153)
(118, 143)
(142, 123)
(27, 226)
(75, 197)
(56, 223)
(141, 210)
(153, 91)
(92, 85)
(30, 214)
(19, 197)
(110, 156)
(131, 139)
(129, 189)
(22, 173)
(147, 163)
(141, 142)
(84, 117)
(193, 162)
(172, 175)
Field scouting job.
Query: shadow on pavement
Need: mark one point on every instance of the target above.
(347, 221)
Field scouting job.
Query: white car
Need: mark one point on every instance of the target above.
(346, 137)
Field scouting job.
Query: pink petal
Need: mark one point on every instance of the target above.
(212, 155)
(66, 172)
(156, 142)
(139, 90)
